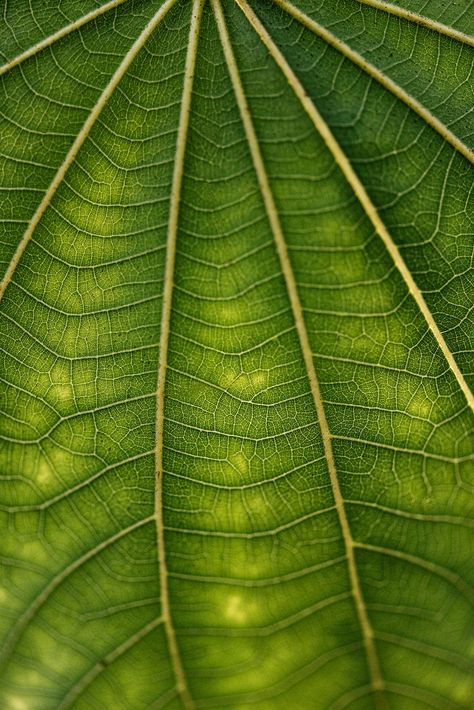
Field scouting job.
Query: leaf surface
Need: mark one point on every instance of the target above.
(238, 450)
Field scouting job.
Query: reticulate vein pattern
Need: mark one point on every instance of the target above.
(237, 448)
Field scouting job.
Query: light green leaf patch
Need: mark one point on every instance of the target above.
(238, 449)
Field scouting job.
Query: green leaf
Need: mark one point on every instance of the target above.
(237, 458)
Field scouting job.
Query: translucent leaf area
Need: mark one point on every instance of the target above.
(236, 328)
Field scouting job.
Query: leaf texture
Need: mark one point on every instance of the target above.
(238, 455)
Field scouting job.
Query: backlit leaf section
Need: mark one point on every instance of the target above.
(237, 438)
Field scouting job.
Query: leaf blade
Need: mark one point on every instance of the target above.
(258, 583)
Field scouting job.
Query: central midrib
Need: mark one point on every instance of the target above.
(175, 198)
(376, 680)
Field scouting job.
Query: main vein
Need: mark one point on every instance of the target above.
(379, 76)
(376, 680)
(181, 684)
(352, 178)
(80, 139)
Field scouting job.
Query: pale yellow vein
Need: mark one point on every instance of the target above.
(173, 220)
(352, 178)
(418, 19)
(79, 140)
(379, 76)
(59, 34)
(377, 682)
